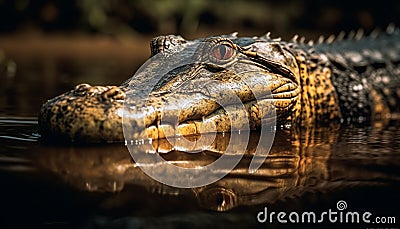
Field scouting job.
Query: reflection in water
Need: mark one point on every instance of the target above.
(102, 186)
(323, 162)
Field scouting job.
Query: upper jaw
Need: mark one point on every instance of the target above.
(204, 95)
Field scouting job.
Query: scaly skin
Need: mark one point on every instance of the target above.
(348, 80)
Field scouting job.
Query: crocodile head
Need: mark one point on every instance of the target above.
(249, 77)
(216, 84)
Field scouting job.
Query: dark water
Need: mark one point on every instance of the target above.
(100, 186)
(89, 186)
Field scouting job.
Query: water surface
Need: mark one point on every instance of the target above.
(101, 185)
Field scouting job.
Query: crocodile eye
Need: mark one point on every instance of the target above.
(222, 52)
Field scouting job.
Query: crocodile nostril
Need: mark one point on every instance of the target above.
(82, 87)
(113, 93)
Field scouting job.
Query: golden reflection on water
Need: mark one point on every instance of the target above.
(321, 161)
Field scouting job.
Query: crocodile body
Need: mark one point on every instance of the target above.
(356, 79)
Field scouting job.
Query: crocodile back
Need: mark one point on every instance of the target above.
(366, 73)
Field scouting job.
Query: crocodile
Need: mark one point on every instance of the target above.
(351, 78)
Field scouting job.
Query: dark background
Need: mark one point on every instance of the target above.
(49, 46)
(149, 17)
